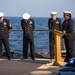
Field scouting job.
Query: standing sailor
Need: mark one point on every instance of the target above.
(53, 23)
(68, 29)
(5, 28)
(28, 37)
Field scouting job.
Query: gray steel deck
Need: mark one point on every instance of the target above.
(27, 67)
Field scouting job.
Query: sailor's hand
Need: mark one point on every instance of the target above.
(10, 31)
(64, 32)
(54, 29)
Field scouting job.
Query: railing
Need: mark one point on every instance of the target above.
(41, 40)
(38, 29)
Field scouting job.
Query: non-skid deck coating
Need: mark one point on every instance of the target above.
(27, 67)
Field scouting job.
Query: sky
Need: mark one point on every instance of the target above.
(36, 8)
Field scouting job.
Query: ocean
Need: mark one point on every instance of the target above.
(41, 38)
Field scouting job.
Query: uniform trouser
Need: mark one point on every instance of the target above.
(27, 41)
(51, 42)
(5, 42)
(69, 44)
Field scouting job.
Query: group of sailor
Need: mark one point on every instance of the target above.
(28, 26)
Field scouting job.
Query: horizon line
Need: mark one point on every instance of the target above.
(37, 16)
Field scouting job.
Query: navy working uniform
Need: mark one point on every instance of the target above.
(28, 37)
(5, 28)
(68, 27)
(53, 24)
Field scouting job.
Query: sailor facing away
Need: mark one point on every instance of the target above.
(68, 29)
(28, 26)
(5, 28)
(53, 23)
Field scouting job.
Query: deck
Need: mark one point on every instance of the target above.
(18, 66)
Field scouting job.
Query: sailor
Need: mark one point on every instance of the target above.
(53, 23)
(5, 28)
(68, 29)
(28, 26)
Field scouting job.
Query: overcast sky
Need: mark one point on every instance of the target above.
(36, 8)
